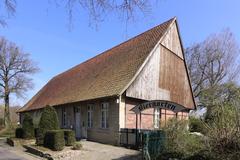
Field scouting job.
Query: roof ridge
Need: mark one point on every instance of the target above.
(130, 39)
(63, 88)
(174, 18)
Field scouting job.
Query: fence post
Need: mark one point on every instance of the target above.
(136, 138)
(127, 135)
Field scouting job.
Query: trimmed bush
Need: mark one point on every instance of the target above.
(48, 121)
(69, 136)
(36, 132)
(19, 133)
(27, 126)
(54, 140)
(77, 146)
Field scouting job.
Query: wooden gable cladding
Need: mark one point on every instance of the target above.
(146, 85)
(173, 77)
(172, 40)
(164, 75)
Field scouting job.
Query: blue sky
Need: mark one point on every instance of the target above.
(41, 29)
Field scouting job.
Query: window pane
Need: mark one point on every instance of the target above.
(104, 115)
(89, 115)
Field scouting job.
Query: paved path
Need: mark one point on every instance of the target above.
(98, 151)
(12, 153)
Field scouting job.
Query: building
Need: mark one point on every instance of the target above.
(96, 97)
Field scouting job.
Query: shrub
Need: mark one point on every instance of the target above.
(69, 136)
(1, 123)
(27, 126)
(54, 140)
(179, 143)
(19, 133)
(77, 146)
(223, 132)
(202, 155)
(196, 125)
(48, 121)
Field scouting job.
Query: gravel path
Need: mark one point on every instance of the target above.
(98, 151)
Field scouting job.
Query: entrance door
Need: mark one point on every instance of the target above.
(78, 122)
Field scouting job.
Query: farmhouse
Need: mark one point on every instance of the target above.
(138, 84)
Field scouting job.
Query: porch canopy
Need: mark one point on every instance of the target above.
(157, 104)
(163, 104)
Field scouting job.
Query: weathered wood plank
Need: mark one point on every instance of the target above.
(173, 77)
(172, 41)
(146, 85)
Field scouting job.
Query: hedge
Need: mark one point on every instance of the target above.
(27, 126)
(19, 133)
(54, 139)
(48, 121)
(36, 132)
(69, 136)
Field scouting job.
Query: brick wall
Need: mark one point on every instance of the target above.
(147, 121)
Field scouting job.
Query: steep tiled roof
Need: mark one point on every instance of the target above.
(104, 75)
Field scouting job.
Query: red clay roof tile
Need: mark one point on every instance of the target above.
(104, 75)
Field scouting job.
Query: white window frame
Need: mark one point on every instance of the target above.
(104, 115)
(90, 115)
(156, 118)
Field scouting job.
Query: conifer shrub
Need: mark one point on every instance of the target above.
(19, 133)
(48, 121)
(27, 126)
(69, 136)
(54, 139)
(36, 132)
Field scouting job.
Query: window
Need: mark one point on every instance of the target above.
(89, 116)
(104, 115)
(156, 118)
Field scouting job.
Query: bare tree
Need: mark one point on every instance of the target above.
(8, 9)
(212, 64)
(97, 10)
(15, 68)
(213, 61)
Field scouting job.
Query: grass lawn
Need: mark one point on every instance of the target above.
(8, 132)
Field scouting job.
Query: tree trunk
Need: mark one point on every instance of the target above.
(7, 120)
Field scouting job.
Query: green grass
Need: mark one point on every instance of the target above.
(8, 132)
